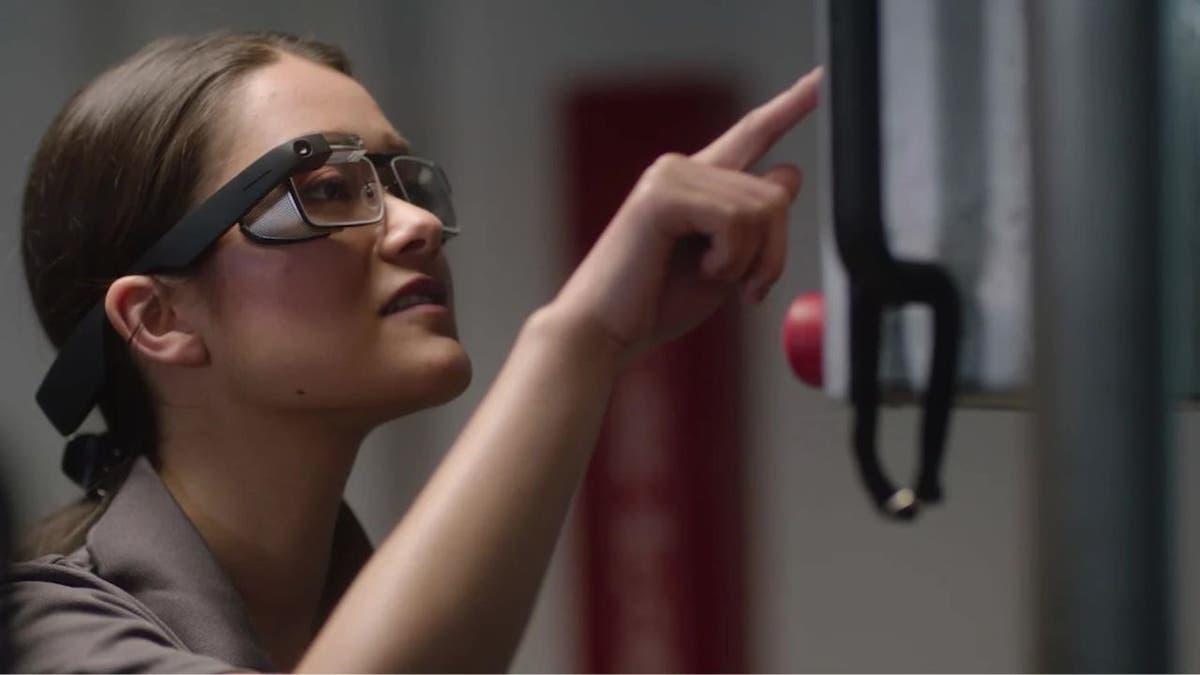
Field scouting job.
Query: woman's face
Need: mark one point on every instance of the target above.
(306, 326)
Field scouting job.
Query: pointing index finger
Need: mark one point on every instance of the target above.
(753, 135)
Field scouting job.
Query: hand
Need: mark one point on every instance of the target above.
(691, 232)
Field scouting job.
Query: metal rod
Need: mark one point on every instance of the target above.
(1102, 499)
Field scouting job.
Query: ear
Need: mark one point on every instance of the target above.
(142, 309)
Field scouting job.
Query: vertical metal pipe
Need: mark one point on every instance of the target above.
(1102, 501)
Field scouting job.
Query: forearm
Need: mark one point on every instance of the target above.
(451, 588)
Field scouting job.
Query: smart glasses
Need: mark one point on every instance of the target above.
(308, 187)
(346, 191)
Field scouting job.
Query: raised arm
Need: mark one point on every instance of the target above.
(451, 588)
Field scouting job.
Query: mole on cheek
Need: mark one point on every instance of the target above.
(300, 392)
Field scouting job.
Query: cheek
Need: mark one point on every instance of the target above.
(276, 310)
(276, 286)
(296, 327)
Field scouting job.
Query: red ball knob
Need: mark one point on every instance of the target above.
(803, 333)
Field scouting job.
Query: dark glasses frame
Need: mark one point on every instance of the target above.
(74, 382)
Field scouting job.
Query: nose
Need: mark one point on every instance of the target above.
(408, 231)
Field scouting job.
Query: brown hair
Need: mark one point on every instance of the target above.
(120, 164)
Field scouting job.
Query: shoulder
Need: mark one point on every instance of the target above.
(66, 618)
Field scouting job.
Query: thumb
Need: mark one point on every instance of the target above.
(787, 176)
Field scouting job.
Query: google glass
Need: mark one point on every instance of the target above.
(305, 188)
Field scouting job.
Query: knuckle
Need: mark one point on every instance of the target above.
(770, 198)
(765, 211)
(730, 212)
(646, 186)
(658, 175)
(778, 198)
(756, 214)
(665, 163)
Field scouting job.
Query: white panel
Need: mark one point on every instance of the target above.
(955, 154)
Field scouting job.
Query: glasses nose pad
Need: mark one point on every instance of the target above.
(371, 194)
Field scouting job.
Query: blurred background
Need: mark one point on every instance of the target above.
(485, 88)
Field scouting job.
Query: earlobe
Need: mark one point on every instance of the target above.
(143, 312)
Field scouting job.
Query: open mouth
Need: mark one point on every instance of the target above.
(424, 291)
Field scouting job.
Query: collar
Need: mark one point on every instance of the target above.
(145, 544)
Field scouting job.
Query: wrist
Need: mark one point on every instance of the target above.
(577, 338)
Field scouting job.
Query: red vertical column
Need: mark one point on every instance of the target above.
(662, 503)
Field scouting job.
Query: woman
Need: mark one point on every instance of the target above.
(238, 380)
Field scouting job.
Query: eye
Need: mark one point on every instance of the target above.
(330, 187)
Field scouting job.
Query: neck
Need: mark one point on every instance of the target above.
(264, 491)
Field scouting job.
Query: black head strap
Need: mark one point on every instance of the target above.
(76, 378)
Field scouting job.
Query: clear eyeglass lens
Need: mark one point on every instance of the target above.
(340, 195)
(424, 184)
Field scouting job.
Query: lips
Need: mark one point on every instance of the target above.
(420, 291)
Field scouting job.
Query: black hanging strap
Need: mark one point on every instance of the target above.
(877, 279)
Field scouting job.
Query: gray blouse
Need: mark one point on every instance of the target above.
(145, 594)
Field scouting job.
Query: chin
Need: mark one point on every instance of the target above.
(441, 375)
(454, 378)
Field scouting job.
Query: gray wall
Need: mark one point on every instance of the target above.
(475, 84)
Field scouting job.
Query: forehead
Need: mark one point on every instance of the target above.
(293, 97)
